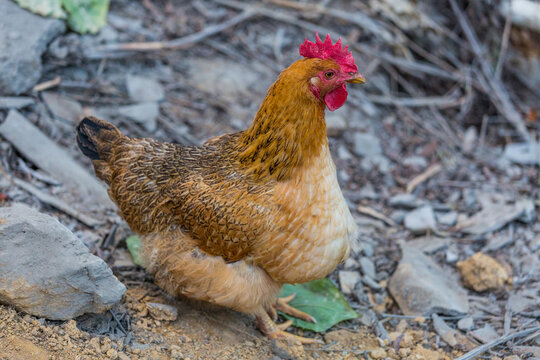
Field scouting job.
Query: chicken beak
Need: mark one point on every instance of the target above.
(357, 79)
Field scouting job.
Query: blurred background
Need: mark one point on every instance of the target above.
(437, 154)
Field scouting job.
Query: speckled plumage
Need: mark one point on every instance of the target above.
(232, 220)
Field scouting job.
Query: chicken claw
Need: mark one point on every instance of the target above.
(275, 331)
(283, 306)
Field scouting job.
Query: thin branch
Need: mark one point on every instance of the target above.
(180, 43)
(497, 92)
(483, 348)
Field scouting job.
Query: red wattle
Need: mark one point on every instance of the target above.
(336, 98)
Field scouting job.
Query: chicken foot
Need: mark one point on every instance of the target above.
(282, 304)
(275, 331)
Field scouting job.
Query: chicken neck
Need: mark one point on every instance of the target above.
(289, 129)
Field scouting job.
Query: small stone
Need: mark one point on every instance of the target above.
(421, 220)
(366, 144)
(481, 272)
(367, 266)
(465, 324)
(335, 124)
(162, 311)
(523, 153)
(343, 153)
(350, 263)
(144, 89)
(445, 332)
(15, 102)
(378, 353)
(47, 271)
(406, 201)
(63, 107)
(378, 161)
(415, 162)
(348, 280)
(485, 334)
(451, 255)
(469, 140)
(24, 38)
(447, 218)
(144, 113)
(421, 287)
(429, 244)
(518, 303)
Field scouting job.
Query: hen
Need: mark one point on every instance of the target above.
(231, 221)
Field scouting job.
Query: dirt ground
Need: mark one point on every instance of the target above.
(201, 331)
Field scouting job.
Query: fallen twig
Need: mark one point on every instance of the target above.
(180, 43)
(483, 348)
(47, 84)
(430, 172)
(436, 101)
(375, 214)
(496, 91)
(57, 203)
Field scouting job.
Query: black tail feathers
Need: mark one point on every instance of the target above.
(93, 137)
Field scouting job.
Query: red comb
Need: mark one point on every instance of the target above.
(327, 50)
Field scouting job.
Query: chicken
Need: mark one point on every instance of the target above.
(231, 221)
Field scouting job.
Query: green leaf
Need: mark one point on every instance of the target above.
(86, 16)
(320, 299)
(44, 7)
(134, 245)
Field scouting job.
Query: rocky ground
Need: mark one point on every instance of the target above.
(438, 161)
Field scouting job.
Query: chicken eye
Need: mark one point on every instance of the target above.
(329, 74)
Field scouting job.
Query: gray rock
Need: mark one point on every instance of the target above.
(366, 145)
(465, 324)
(523, 153)
(447, 218)
(47, 271)
(421, 220)
(398, 216)
(417, 162)
(367, 266)
(348, 280)
(518, 302)
(371, 283)
(144, 113)
(451, 255)
(485, 334)
(495, 215)
(23, 39)
(63, 107)
(421, 287)
(162, 311)
(335, 124)
(406, 201)
(228, 80)
(379, 161)
(343, 153)
(429, 244)
(144, 89)
(350, 263)
(445, 332)
(15, 102)
(47, 155)
(469, 140)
